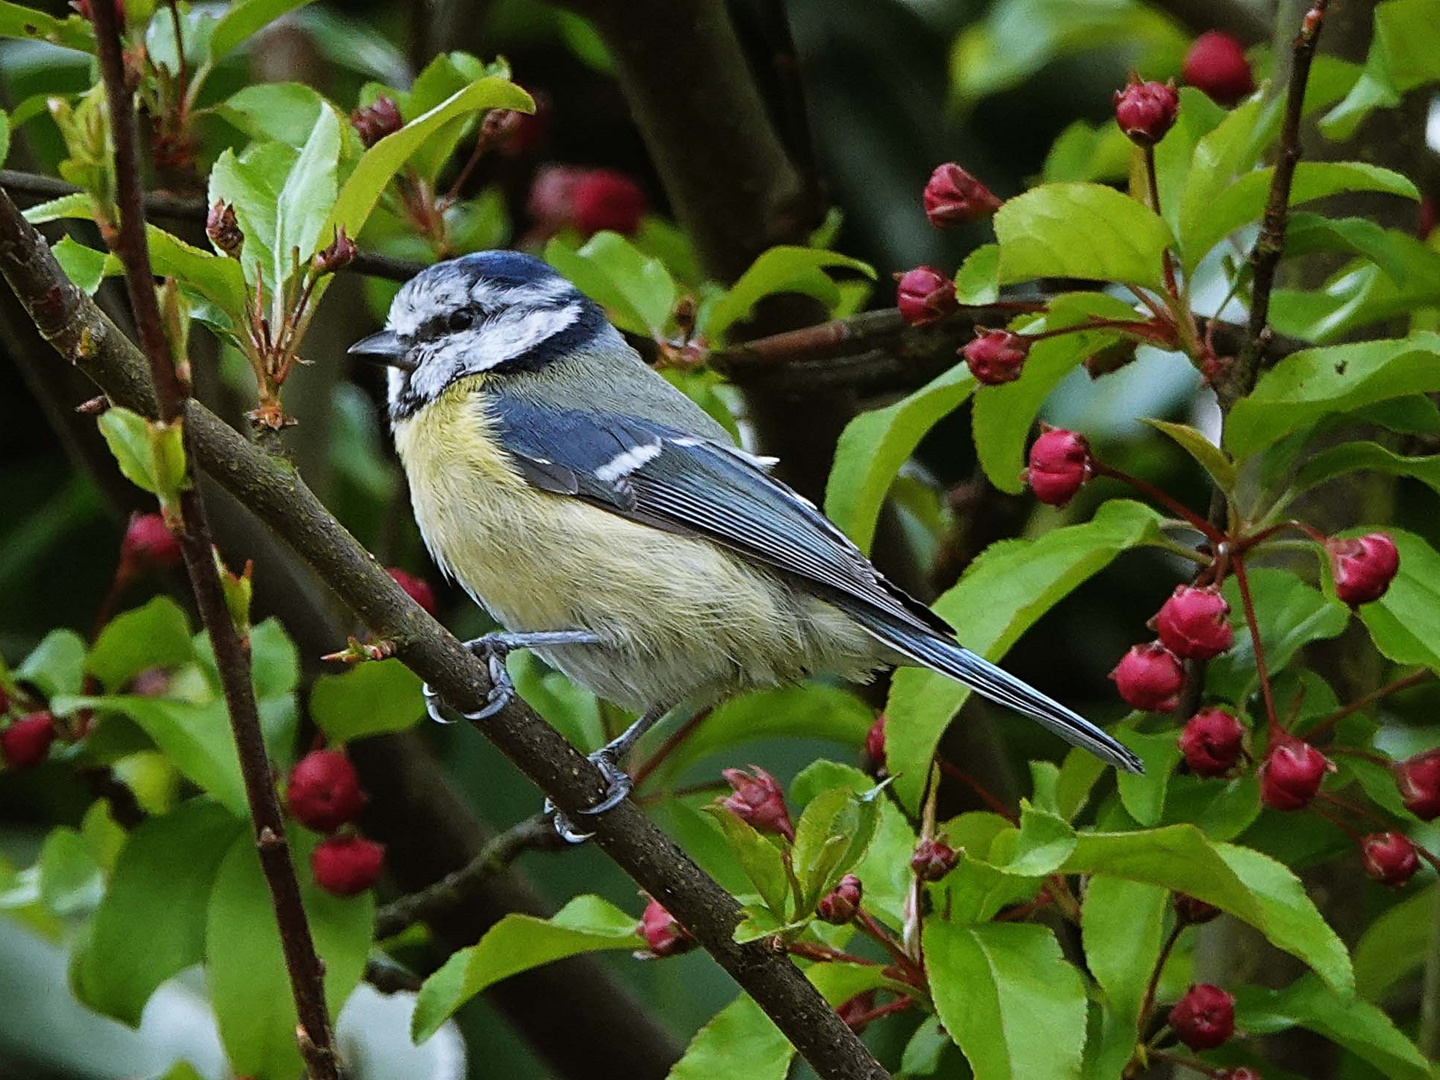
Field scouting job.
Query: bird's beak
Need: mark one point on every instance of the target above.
(384, 348)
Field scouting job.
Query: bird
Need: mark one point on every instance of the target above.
(609, 524)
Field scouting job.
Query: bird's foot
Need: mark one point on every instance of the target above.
(617, 787)
(493, 649)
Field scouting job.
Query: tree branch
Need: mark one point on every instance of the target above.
(232, 655)
(274, 492)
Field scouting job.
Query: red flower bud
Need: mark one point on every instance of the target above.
(663, 935)
(1145, 111)
(1204, 1018)
(1193, 912)
(224, 230)
(925, 295)
(856, 1011)
(953, 196)
(1211, 742)
(758, 800)
(1192, 623)
(1149, 677)
(148, 544)
(996, 356)
(418, 588)
(324, 791)
(347, 865)
(875, 742)
(375, 121)
(588, 199)
(1240, 1072)
(532, 130)
(840, 904)
(933, 859)
(339, 254)
(1291, 774)
(1059, 465)
(1389, 858)
(1419, 781)
(1216, 64)
(1363, 568)
(26, 742)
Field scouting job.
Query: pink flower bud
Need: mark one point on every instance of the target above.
(1363, 568)
(149, 544)
(1216, 64)
(347, 865)
(324, 791)
(875, 742)
(1145, 111)
(933, 859)
(1211, 742)
(1419, 781)
(1194, 912)
(224, 230)
(758, 800)
(996, 356)
(1204, 1018)
(339, 254)
(1149, 677)
(856, 1011)
(588, 199)
(1192, 623)
(1389, 858)
(1059, 465)
(840, 904)
(26, 742)
(418, 588)
(1291, 774)
(373, 122)
(925, 295)
(663, 935)
(953, 196)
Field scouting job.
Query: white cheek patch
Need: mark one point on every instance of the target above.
(420, 299)
(514, 332)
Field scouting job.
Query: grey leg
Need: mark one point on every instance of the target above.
(493, 648)
(617, 784)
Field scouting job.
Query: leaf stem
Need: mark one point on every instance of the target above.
(1148, 1002)
(1165, 499)
(1415, 678)
(1248, 602)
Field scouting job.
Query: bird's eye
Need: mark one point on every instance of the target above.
(460, 320)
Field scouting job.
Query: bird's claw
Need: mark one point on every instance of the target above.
(493, 648)
(618, 786)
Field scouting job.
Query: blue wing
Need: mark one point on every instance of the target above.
(683, 483)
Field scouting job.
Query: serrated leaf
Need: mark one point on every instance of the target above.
(739, 1043)
(1008, 998)
(1366, 456)
(1122, 924)
(1004, 592)
(761, 860)
(876, 444)
(1404, 624)
(370, 699)
(1313, 383)
(518, 943)
(1087, 231)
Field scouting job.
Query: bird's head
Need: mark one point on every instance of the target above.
(497, 312)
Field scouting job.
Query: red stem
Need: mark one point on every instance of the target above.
(898, 1005)
(1413, 679)
(1209, 531)
(669, 746)
(1148, 1005)
(985, 796)
(1243, 581)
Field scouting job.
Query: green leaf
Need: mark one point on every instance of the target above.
(1398, 254)
(1004, 415)
(1395, 944)
(151, 924)
(76, 205)
(1230, 149)
(1313, 383)
(1003, 593)
(86, 267)
(1143, 796)
(518, 943)
(1247, 884)
(156, 635)
(56, 665)
(284, 112)
(1008, 998)
(1206, 454)
(875, 445)
(976, 282)
(245, 967)
(1086, 151)
(361, 191)
(1402, 57)
(71, 882)
(1080, 231)
(739, 1043)
(150, 453)
(635, 289)
(1122, 924)
(782, 269)
(758, 857)
(27, 24)
(1366, 456)
(1404, 624)
(217, 278)
(1243, 202)
(1353, 1023)
(833, 833)
(244, 20)
(369, 699)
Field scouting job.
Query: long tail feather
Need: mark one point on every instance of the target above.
(952, 659)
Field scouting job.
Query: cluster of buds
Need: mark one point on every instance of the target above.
(841, 903)
(378, 119)
(1192, 624)
(324, 794)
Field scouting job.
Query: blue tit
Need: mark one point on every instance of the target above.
(612, 526)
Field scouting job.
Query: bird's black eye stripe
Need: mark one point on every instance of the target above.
(460, 319)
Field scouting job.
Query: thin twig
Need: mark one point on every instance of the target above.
(1148, 1003)
(454, 890)
(1415, 678)
(1270, 246)
(314, 1035)
(1248, 602)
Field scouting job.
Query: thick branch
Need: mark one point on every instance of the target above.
(232, 655)
(79, 331)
